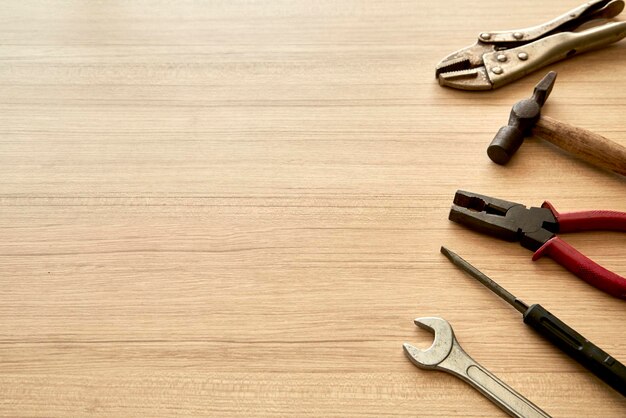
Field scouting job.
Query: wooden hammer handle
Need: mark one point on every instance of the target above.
(586, 145)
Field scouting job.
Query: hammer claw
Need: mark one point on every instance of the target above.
(544, 88)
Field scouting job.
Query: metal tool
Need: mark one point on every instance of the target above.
(525, 120)
(536, 229)
(447, 355)
(499, 57)
(554, 330)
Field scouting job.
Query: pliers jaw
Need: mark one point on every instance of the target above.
(502, 219)
(464, 69)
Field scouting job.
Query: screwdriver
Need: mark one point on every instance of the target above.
(553, 329)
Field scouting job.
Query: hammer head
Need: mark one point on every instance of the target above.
(523, 117)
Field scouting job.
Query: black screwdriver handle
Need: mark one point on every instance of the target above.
(578, 347)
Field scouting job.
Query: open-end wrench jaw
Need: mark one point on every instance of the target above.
(446, 354)
(439, 350)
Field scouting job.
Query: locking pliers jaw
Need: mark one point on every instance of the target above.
(464, 68)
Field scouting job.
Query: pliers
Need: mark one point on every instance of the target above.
(500, 57)
(536, 228)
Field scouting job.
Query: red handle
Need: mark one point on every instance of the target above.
(591, 272)
(590, 220)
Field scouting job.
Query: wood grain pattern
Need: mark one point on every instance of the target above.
(235, 208)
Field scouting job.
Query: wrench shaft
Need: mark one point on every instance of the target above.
(460, 364)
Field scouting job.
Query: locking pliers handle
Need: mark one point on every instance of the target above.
(508, 65)
(598, 9)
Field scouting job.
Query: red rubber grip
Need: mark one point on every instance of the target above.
(588, 270)
(590, 220)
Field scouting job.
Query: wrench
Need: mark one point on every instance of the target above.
(447, 355)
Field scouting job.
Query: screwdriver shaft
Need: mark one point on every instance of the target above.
(485, 280)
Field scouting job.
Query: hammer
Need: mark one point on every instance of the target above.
(526, 120)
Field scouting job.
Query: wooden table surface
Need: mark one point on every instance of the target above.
(235, 208)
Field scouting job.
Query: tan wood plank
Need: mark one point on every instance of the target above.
(235, 209)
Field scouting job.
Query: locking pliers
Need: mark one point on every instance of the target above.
(537, 228)
(500, 57)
